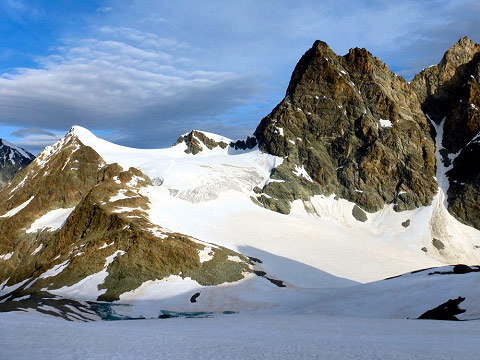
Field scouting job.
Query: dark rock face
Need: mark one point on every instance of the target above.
(450, 92)
(12, 160)
(195, 139)
(351, 127)
(250, 143)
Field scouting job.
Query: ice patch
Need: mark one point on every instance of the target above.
(51, 221)
(385, 123)
(18, 208)
(57, 269)
(39, 247)
(120, 196)
(206, 254)
(301, 172)
(234, 258)
(5, 257)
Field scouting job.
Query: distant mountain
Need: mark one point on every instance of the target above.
(346, 181)
(12, 160)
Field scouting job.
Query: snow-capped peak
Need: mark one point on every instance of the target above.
(80, 132)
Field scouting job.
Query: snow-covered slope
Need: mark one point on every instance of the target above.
(310, 254)
(208, 196)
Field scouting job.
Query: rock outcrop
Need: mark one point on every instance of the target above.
(450, 95)
(196, 141)
(351, 127)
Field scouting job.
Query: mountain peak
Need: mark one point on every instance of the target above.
(318, 56)
(80, 131)
(464, 42)
(18, 149)
(458, 54)
(341, 118)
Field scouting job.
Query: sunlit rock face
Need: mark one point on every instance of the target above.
(348, 126)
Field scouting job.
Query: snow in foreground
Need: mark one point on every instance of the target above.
(238, 337)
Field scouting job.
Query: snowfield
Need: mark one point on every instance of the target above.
(322, 293)
(219, 182)
(238, 336)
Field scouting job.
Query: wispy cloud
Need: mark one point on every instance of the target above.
(121, 83)
(104, 9)
(21, 11)
(35, 139)
(31, 131)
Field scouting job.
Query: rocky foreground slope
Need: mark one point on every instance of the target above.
(368, 177)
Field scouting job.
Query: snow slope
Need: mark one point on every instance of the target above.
(51, 221)
(318, 246)
(208, 196)
(238, 337)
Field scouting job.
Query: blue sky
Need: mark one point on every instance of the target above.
(141, 73)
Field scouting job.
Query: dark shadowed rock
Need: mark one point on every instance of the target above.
(359, 214)
(250, 143)
(438, 244)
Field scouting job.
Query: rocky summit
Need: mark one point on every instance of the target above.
(12, 160)
(348, 126)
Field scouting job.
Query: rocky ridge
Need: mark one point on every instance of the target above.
(450, 95)
(196, 141)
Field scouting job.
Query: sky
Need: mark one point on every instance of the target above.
(142, 72)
